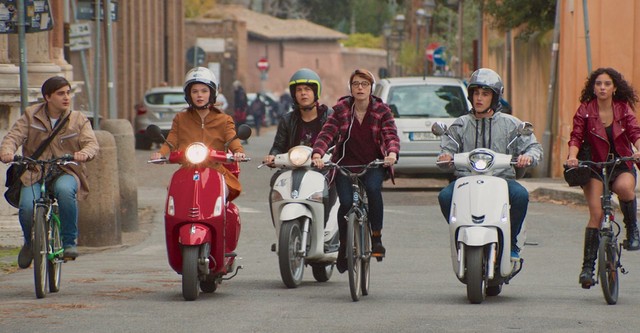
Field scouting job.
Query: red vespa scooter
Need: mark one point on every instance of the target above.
(201, 227)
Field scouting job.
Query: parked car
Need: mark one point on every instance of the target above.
(418, 102)
(159, 106)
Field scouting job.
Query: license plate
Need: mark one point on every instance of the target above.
(422, 136)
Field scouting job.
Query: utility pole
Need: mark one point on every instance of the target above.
(22, 45)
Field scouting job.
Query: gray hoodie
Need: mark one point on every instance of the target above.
(493, 133)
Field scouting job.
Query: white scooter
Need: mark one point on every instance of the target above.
(299, 199)
(479, 221)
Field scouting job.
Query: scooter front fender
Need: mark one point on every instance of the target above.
(477, 236)
(194, 234)
(292, 211)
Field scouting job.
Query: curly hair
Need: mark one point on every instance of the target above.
(624, 91)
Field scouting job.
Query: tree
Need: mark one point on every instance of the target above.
(532, 16)
(195, 8)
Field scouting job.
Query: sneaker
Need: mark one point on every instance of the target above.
(377, 250)
(515, 256)
(70, 252)
(25, 256)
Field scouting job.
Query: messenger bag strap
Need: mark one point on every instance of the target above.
(46, 142)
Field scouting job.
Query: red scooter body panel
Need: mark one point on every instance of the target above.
(192, 196)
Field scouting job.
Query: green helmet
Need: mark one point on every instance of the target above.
(308, 77)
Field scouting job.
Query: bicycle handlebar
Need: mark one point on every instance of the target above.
(612, 162)
(345, 171)
(63, 160)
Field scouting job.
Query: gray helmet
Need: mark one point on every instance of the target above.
(200, 75)
(489, 79)
(308, 77)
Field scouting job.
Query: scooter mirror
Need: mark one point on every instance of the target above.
(438, 128)
(244, 132)
(154, 133)
(525, 128)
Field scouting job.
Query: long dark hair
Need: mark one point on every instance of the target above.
(624, 91)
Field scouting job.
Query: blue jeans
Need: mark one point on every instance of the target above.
(372, 181)
(64, 189)
(518, 199)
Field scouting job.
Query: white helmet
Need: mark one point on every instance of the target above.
(200, 75)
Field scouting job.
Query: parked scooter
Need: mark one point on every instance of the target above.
(479, 223)
(300, 205)
(202, 228)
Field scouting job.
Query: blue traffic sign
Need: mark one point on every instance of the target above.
(438, 56)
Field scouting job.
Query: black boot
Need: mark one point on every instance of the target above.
(341, 261)
(377, 249)
(591, 242)
(629, 211)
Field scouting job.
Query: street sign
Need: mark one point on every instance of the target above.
(86, 10)
(438, 56)
(195, 56)
(79, 36)
(37, 16)
(429, 50)
(263, 64)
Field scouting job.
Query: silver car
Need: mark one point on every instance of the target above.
(418, 102)
(159, 106)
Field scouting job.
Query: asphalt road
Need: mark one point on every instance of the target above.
(133, 289)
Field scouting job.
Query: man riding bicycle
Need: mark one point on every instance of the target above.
(75, 138)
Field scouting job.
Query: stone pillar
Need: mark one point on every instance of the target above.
(123, 134)
(98, 221)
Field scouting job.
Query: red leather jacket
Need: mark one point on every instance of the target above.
(587, 126)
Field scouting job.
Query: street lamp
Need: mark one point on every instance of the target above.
(398, 22)
(386, 31)
(420, 22)
(429, 7)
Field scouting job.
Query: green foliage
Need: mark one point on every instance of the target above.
(533, 16)
(364, 40)
(195, 8)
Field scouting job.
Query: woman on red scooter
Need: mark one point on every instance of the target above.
(203, 122)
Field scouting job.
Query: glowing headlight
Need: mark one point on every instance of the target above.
(196, 153)
(299, 155)
(481, 161)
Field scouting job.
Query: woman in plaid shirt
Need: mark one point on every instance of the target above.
(363, 128)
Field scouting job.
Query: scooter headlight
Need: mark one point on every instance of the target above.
(299, 155)
(196, 153)
(480, 161)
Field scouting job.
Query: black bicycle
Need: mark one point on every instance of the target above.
(358, 247)
(46, 242)
(609, 250)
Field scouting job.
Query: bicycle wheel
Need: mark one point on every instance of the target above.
(366, 261)
(54, 265)
(608, 268)
(353, 256)
(39, 244)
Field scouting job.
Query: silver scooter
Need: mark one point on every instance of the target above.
(299, 201)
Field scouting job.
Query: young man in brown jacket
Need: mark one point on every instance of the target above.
(76, 138)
